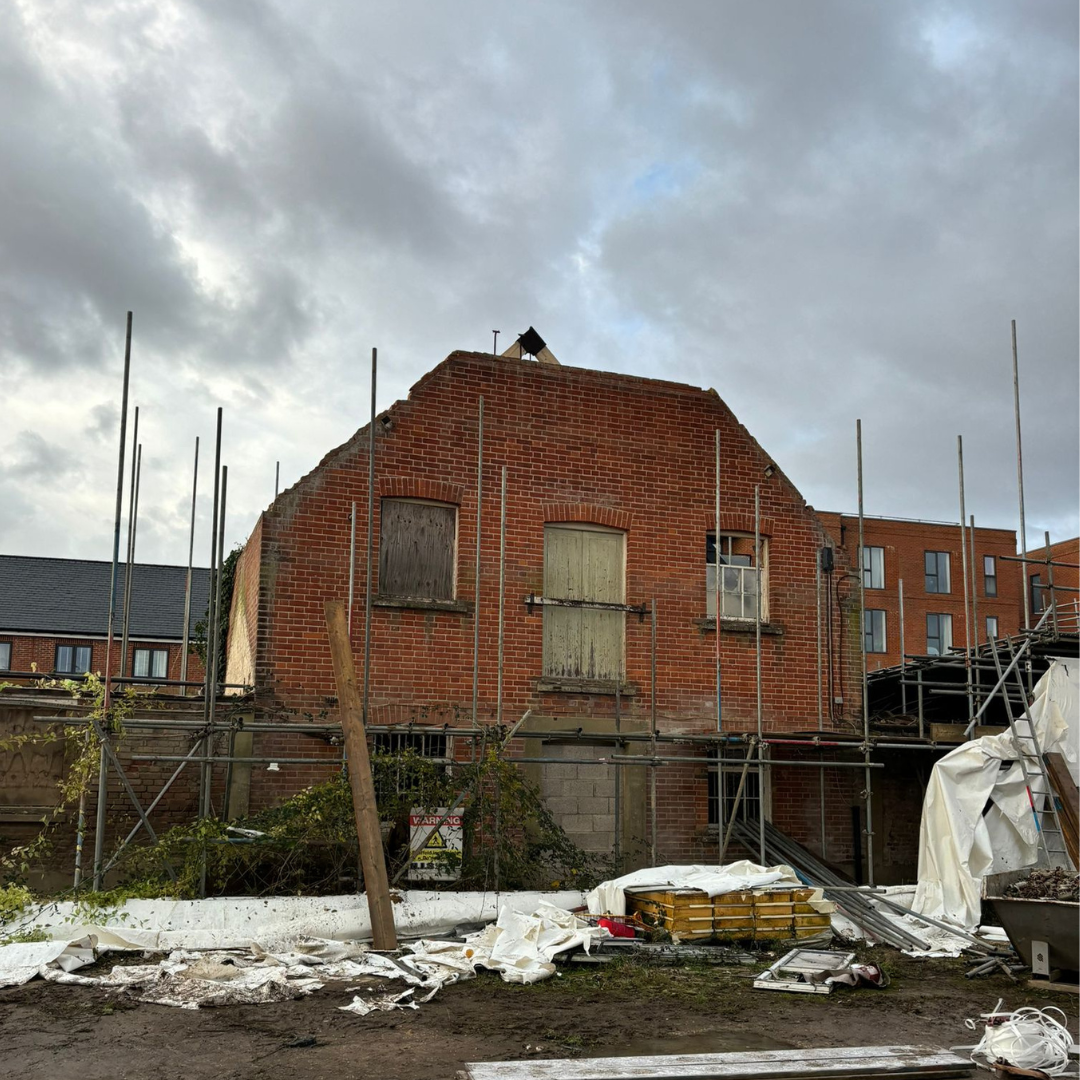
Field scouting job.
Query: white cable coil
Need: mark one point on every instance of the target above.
(1030, 1039)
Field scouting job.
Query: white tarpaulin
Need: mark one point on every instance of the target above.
(520, 947)
(609, 897)
(960, 840)
(22, 961)
(237, 922)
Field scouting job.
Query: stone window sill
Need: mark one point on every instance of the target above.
(549, 684)
(419, 603)
(738, 626)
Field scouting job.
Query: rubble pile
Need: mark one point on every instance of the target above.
(1055, 884)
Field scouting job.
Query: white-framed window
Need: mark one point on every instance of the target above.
(738, 577)
(584, 564)
(990, 575)
(991, 627)
(873, 567)
(72, 659)
(417, 549)
(5, 655)
(938, 633)
(151, 664)
(727, 778)
(937, 571)
(874, 630)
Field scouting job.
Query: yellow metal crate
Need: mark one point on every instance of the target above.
(757, 915)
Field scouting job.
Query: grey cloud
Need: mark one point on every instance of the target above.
(825, 210)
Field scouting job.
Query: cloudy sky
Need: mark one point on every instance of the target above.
(826, 209)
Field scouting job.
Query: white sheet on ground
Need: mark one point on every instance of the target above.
(273, 922)
(520, 947)
(959, 844)
(25, 960)
(609, 897)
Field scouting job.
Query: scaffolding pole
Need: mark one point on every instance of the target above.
(1020, 475)
(99, 827)
(964, 568)
(368, 571)
(820, 692)
(352, 564)
(502, 597)
(476, 583)
(868, 788)
(652, 717)
(757, 664)
(133, 509)
(185, 646)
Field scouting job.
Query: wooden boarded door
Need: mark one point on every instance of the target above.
(582, 563)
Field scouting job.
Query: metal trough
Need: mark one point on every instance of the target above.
(1057, 922)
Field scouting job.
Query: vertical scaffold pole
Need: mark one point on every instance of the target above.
(867, 781)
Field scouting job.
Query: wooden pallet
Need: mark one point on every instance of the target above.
(758, 915)
(909, 1062)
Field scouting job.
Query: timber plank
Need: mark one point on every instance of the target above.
(859, 1061)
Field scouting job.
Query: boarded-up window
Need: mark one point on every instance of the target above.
(416, 549)
(583, 563)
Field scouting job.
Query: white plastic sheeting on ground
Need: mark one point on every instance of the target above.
(25, 960)
(609, 897)
(272, 922)
(520, 947)
(959, 844)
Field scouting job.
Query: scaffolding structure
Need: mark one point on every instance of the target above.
(218, 715)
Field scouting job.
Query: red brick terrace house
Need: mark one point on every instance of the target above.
(610, 484)
(54, 615)
(53, 625)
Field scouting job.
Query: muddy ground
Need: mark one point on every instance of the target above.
(55, 1032)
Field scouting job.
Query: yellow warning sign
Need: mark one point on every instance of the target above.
(439, 859)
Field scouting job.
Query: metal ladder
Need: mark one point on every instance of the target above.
(1041, 796)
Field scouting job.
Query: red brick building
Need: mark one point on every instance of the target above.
(927, 557)
(611, 494)
(1066, 580)
(53, 626)
(54, 616)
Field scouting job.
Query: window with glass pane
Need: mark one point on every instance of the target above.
(938, 634)
(5, 655)
(72, 659)
(151, 664)
(937, 571)
(990, 575)
(738, 577)
(874, 630)
(749, 807)
(991, 626)
(873, 568)
(1038, 601)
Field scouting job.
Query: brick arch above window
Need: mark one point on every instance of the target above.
(731, 522)
(590, 513)
(419, 487)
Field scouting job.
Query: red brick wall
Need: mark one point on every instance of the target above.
(579, 445)
(1066, 578)
(905, 544)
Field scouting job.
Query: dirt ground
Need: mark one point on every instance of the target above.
(55, 1032)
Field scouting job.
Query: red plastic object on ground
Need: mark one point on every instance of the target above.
(617, 929)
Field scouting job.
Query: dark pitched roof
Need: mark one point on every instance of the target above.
(71, 596)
